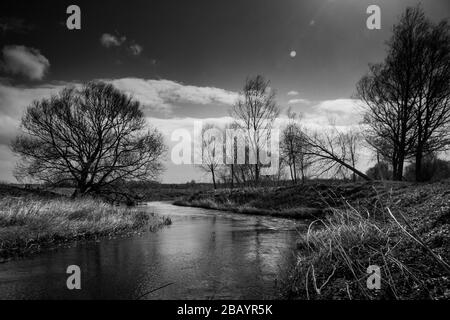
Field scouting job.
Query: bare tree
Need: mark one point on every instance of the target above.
(212, 150)
(231, 149)
(255, 113)
(331, 151)
(94, 137)
(350, 141)
(293, 147)
(432, 90)
(389, 116)
(407, 96)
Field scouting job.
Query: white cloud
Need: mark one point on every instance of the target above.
(109, 40)
(167, 126)
(292, 93)
(28, 62)
(162, 95)
(295, 101)
(8, 129)
(136, 49)
(343, 112)
(157, 95)
(14, 100)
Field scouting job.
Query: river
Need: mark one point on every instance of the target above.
(204, 254)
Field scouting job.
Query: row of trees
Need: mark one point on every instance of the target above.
(332, 152)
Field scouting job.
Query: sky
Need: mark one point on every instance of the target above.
(188, 60)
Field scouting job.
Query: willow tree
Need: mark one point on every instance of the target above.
(92, 137)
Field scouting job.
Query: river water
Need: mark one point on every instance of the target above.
(204, 254)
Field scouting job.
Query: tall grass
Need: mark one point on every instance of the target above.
(28, 224)
(336, 252)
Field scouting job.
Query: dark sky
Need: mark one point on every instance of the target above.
(216, 42)
(195, 54)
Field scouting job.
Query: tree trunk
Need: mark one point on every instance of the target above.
(257, 166)
(399, 173)
(295, 170)
(394, 167)
(213, 178)
(353, 174)
(232, 176)
(290, 170)
(354, 170)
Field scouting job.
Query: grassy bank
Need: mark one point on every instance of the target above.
(29, 224)
(407, 234)
(294, 213)
(311, 200)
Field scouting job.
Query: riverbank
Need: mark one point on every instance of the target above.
(402, 228)
(406, 233)
(311, 200)
(29, 224)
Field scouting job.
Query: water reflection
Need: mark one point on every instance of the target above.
(205, 254)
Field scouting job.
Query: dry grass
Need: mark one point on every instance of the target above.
(27, 225)
(336, 252)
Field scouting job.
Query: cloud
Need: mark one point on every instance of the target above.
(292, 93)
(8, 129)
(163, 95)
(341, 112)
(28, 62)
(136, 49)
(14, 100)
(109, 40)
(295, 101)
